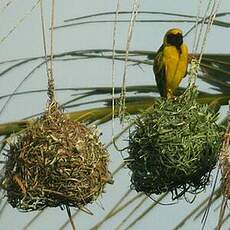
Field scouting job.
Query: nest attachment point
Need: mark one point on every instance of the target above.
(55, 162)
(174, 146)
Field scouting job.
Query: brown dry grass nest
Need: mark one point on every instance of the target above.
(56, 161)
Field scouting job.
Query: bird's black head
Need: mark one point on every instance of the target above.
(174, 39)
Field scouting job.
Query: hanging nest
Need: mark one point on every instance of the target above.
(55, 162)
(174, 146)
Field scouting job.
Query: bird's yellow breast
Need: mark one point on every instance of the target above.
(175, 62)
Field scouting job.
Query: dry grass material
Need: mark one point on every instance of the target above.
(174, 146)
(56, 161)
(224, 164)
(224, 159)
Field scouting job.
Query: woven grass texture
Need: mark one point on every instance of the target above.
(56, 161)
(174, 146)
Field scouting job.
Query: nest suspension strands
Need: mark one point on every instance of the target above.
(55, 161)
(174, 145)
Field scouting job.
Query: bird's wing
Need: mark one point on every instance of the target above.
(160, 72)
(185, 51)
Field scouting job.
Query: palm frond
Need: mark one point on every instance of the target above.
(186, 18)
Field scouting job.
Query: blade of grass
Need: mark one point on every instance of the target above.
(125, 195)
(194, 211)
(39, 213)
(19, 22)
(37, 91)
(20, 84)
(215, 198)
(144, 213)
(3, 208)
(140, 12)
(108, 101)
(128, 12)
(96, 114)
(118, 209)
(126, 21)
(132, 212)
(93, 53)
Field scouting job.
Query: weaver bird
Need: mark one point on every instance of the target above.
(170, 63)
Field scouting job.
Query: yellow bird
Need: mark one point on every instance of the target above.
(170, 63)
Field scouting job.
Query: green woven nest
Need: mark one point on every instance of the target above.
(56, 162)
(174, 147)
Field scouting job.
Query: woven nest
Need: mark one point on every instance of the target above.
(174, 147)
(56, 161)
